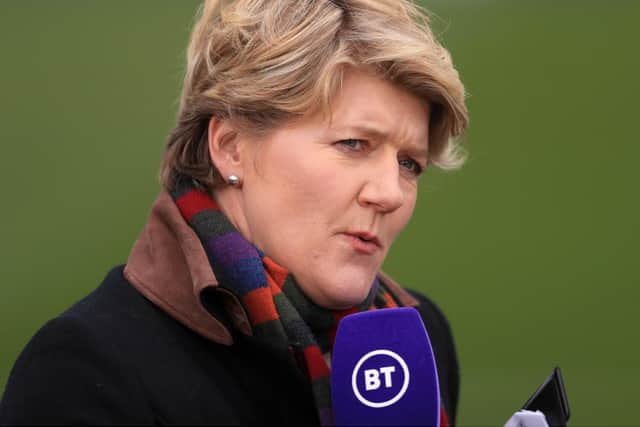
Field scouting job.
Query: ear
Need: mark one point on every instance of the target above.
(225, 148)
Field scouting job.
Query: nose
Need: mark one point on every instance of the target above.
(382, 189)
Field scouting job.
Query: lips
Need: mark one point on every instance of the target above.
(363, 241)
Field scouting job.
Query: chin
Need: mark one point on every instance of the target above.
(344, 291)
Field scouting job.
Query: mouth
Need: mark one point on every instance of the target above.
(363, 241)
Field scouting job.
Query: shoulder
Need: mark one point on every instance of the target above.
(68, 375)
(117, 317)
(441, 338)
(72, 371)
(434, 318)
(99, 323)
(116, 358)
(443, 345)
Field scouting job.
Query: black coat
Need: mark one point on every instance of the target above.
(116, 358)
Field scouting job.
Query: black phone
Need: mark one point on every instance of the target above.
(551, 399)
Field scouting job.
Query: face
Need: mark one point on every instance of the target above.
(326, 197)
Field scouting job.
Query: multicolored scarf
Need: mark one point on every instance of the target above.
(281, 316)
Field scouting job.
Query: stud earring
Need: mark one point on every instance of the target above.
(233, 180)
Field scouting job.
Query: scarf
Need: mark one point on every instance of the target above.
(282, 317)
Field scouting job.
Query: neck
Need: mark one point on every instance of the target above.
(229, 200)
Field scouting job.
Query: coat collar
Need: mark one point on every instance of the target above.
(169, 266)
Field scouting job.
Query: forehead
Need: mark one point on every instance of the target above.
(366, 101)
(365, 106)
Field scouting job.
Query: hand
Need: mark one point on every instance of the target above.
(527, 419)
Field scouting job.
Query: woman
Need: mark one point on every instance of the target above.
(293, 166)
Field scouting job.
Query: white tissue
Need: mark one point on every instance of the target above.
(527, 419)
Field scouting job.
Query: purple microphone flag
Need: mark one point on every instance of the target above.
(383, 371)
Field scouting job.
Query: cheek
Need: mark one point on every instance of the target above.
(292, 198)
(299, 178)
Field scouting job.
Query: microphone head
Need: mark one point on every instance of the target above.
(383, 371)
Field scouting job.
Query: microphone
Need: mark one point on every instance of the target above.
(383, 371)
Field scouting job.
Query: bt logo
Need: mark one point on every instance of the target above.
(372, 377)
(380, 378)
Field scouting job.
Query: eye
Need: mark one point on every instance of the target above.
(411, 166)
(353, 144)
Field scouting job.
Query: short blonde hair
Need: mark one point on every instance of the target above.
(260, 63)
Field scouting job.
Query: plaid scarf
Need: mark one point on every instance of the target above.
(281, 316)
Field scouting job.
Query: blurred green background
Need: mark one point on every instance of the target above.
(531, 249)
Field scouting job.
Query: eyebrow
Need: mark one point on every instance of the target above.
(377, 134)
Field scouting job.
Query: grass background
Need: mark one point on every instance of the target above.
(531, 249)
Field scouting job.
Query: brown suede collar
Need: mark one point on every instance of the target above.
(169, 266)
